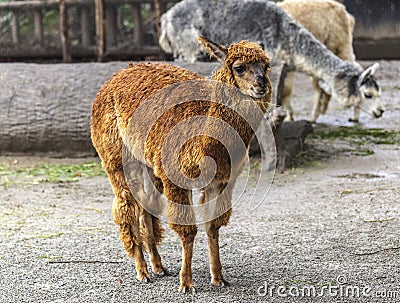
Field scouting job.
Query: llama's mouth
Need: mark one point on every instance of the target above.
(377, 113)
(257, 93)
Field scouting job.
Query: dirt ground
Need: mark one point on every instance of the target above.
(328, 230)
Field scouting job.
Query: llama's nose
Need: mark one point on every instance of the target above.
(261, 80)
(379, 112)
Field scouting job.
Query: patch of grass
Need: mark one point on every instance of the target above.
(363, 152)
(53, 173)
(309, 158)
(346, 192)
(50, 257)
(48, 236)
(359, 135)
(98, 210)
(67, 173)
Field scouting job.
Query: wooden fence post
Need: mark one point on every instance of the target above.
(15, 26)
(100, 28)
(137, 23)
(160, 8)
(85, 26)
(65, 45)
(38, 25)
(111, 26)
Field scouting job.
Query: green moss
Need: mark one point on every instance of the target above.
(48, 236)
(53, 173)
(66, 173)
(359, 135)
(362, 152)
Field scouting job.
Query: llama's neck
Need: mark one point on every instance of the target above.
(283, 38)
(301, 51)
(315, 60)
(237, 110)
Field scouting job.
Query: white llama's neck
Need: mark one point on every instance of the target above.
(306, 54)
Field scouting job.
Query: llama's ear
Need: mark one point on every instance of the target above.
(217, 51)
(365, 75)
(369, 71)
(262, 45)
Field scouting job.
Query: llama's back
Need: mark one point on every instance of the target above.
(118, 99)
(260, 20)
(218, 20)
(328, 21)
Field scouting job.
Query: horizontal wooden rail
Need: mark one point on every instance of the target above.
(15, 5)
(107, 37)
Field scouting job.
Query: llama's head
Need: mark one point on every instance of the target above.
(361, 91)
(370, 93)
(244, 65)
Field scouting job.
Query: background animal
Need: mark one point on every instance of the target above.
(333, 26)
(283, 38)
(139, 88)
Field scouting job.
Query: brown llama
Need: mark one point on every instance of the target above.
(244, 66)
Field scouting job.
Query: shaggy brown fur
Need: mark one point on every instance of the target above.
(113, 108)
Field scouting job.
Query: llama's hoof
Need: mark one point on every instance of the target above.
(143, 279)
(185, 289)
(288, 119)
(220, 282)
(161, 272)
(353, 120)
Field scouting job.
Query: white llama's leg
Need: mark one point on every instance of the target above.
(356, 115)
(317, 101)
(287, 95)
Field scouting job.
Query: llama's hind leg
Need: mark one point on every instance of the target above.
(182, 220)
(218, 201)
(152, 230)
(152, 236)
(126, 211)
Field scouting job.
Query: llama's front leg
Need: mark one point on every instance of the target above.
(356, 115)
(287, 95)
(187, 235)
(212, 231)
(317, 106)
(325, 102)
(320, 101)
(219, 203)
(182, 220)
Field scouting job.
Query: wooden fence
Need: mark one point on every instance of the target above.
(94, 32)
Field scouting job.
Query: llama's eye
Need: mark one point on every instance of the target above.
(267, 67)
(240, 69)
(368, 96)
